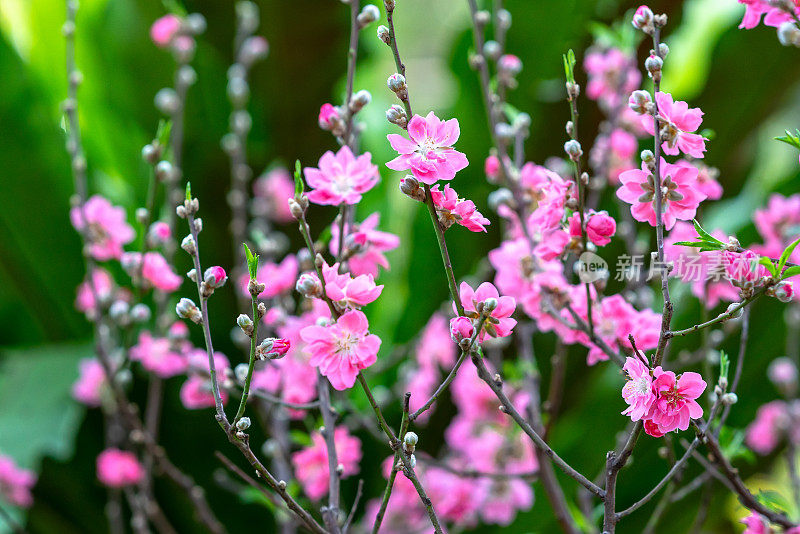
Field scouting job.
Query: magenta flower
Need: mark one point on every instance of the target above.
(611, 74)
(279, 278)
(370, 244)
(499, 322)
(273, 190)
(15, 483)
(103, 287)
(680, 201)
(105, 227)
(341, 177)
(88, 389)
(429, 153)
(342, 349)
(311, 463)
(456, 210)
(159, 273)
(638, 390)
(755, 9)
(743, 267)
(434, 348)
(491, 167)
(119, 469)
(600, 227)
(676, 404)
(164, 29)
(158, 355)
(766, 431)
(348, 292)
(677, 122)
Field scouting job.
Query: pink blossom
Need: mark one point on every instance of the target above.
(118, 469)
(499, 323)
(743, 267)
(346, 291)
(677, 121)
(159, 232)
(327, 115)
(371, 244)
(676, 404)
(452, 209)
(429, 153)
(456, 499)
(461, 328)
(550, 191)
(638, 390)
(164, 29)
(552, 243)
(614, 153)
(88, 389)
(158, 356)
(273, 190)
(491, 167)
(279, 278)
(653, 429)
(503, 499)
(510, 64)
(756, 524)
(341, 177)
(196, 392)
(311, 463)
(16, 483)
(680, 202)
(342, 349)
(766, 431)
(103, 287)
(215, 276)
(159, 273)
(434, 347)
(600, 227)
(707, 181)
(777, 223)
(105, 227)
(611, 74)
(755, 9)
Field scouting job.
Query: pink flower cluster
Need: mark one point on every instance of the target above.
(611, 73)
(452, 209)
(104, 226)
(118, 469)
(311, 463)
(368, 244)
(498, 322)
(664, 401)
(16, 483)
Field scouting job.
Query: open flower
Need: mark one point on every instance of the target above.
(680, 201)
(498, 322)
(105, 227)
(452, 209)
(676, 404)
(346, 291)
(311, 463)
(278, 278)
(638, 390)
(429, 153)
(118, 469)
(369, 244)
(677, 121)
(341, 349)
(341, 177)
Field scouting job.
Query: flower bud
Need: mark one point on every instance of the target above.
(166, 101)
(783, 291)
(243, 424)
(647, 157)
(273, 348)
(195, 23)
(397, 115)
(789, 34)
(410, 187)
(240, 372)
(397, 84)
(738, 312)
(328, 117)
(489, 305)
(492, 50)
(663, 50)
(253, 49)
(653, 64)
(573, 149)
(729, 399)
(369, 14)
(192, 275)
(412, 461)
(188, 245)
(482, 18)
(187, 309)
(296, 209)
(509, 64)
(309, 286)
(783, 373)
(118, 311)
(500, 197)
(639, 101)
(410, 439)
(215, 277)
(150, 154)
(140, 313)
(359, 100)
(384, 34)
(643, 19)
(245, 323)
(461, 328)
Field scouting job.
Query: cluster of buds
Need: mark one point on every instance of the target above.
(187, 309)
(410, 187)
(272, 348)
(397, 115)
(190, 206)
(298, 206)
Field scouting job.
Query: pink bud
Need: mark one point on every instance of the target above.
(327, 114)
(784, 291)
(510, 63)
(164, 29)
(643, 18)
(600, 227)
(461, 328)
(492, 167)
(215, 276)
(160, 232)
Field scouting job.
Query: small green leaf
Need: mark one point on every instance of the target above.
(786, 254)
(299, 186)
(791, 271)
(189, 191)
(790, 138)
(569, 65)
(163, 133)
(252, 262)
(705, 236)
(511, 112)
(772, 499)
(692, 243)
(724, 365)
(766, 262)
(174, 7)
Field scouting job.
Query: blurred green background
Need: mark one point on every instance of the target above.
(747, 84)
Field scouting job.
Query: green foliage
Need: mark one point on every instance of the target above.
(299, 185)
(569, 65)
(705, 241)
(790, 138)
(252, 261)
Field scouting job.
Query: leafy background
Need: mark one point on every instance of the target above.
(747, 84)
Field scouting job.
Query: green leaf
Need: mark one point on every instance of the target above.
(705, 236)
(766, 262)
(791, 271)
(772, 499)
(790, 139)
(163, 132)
(569, 65)
(299, 186)
(189, 191)
(692, 243)
(252, 262)
(786, 254)
(724, 364)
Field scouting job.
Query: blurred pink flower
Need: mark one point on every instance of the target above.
(118, 469)
(105, 227)
(159, 273)
(16, 483)
(371, 243)
(611, 74)
(429, 153)
(680, 202)
(158, 356)
(273, 191)
(766, 431)
(340, 350)
(311, 463)
(103, 287)
(341, 177)
(88, 389)
(164, 29)
(434, 347)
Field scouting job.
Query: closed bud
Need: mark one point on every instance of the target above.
(195, 23)
(643, 19)
(243, 424)
(789, 34)
(573, 90)
(640, 101)
(492, 50)
(188, 245)
(140, 313)
(359, 100)
(663, 50)
(489, 305)
(397, 115)
(729, 399)
(369, 14)
(141, 215)
(166, 101)
(482, 18)
(573, 149)
(254, 49)
(412, 461)
(410, 439)
(783, 291)
(215, 277)
(192, 275)
(164, 171)
(296, 209)
(653, 64)
(272, 348)
(150, 154)
(738, 312)
(397, 84)
(384, 34)
(309, 285)
(504, 131)
(504, 19)
(501, 197)
(245, 323)
(187, 309)
(118, 311)
(409, 186)
(461, 328)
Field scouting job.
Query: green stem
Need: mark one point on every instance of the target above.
(448, 266)
(251, 363)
